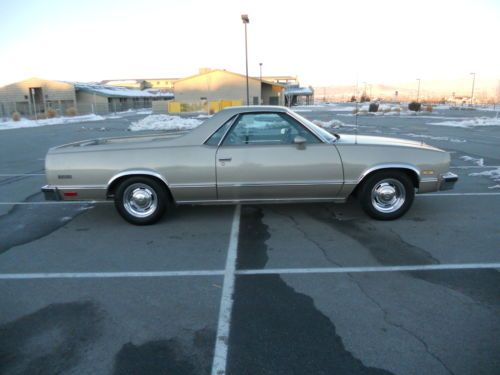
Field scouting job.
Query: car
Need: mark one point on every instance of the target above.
(252, 154)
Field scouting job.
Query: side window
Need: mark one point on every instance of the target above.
(267, 129)
(217, 136)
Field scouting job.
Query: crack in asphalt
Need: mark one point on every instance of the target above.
(363, 291)
(26, 223)
(275, 329)
(400, 326)
(307, 237)
(21, 177)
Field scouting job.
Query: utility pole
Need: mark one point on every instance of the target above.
(246, 20)
(473, 82)
(418, 90)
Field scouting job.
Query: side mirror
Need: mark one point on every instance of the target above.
(298, 140)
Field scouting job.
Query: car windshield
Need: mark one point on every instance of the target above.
(329, 137)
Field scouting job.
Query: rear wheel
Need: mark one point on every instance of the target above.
(141, 200)
(387, 195)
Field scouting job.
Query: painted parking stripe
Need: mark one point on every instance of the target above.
(317, 270)
(431, 267)
(55, 202)
(111, 202)
(456, 194)
(107, 275)
(226, 304)
(21, 174)
(475, 166)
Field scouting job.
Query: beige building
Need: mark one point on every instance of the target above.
(216, 85)
(36, 95)
(161, 84)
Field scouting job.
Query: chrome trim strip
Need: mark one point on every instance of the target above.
(193, 185)
(288, 183)
(389, 166)
(269, 200)
(137, 172)
(429, 179)
(81, 187)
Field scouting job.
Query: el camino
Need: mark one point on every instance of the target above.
(254, 154)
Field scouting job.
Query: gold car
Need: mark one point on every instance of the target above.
(254, 154)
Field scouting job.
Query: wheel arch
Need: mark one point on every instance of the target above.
(411, 171)
(120, 177)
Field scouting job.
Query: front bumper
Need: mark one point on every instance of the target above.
(51, 193)
(447, 181)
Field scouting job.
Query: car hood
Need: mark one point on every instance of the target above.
(369, 140)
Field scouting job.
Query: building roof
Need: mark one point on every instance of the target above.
(118, 92)
(229, 72)
(295, 90)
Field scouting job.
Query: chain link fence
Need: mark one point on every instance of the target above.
(49, 109)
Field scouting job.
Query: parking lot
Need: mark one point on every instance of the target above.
(257, 289)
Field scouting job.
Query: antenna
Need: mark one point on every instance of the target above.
(357, 112)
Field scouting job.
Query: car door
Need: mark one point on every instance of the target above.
(259, 159)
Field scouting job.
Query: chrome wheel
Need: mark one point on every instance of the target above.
(388, 195)
(140, 200)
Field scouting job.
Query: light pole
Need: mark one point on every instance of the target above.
(245, 19)
(261, 97)
(418, 90)
(473, 82)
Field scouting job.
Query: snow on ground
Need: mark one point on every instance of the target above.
(332, 124)
(494, 174)
(454, 140)
(164, 122)
(477, 161)
(470, 123)
(25, 123)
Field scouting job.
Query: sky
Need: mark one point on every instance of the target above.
(324, 43)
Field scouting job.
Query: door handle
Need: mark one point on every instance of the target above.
(225, 159)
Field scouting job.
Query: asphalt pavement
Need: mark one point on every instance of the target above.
(294, 289)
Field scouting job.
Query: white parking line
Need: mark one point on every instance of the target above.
(431, 267)
(475, 166)
(107, 275)
(455, 194)
(54, 202)
(226, 304)
(112, 202)
(227, 293)
(21, 175)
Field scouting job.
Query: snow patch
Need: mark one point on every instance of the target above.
(454, 140)
(164, 122)
(332, 124)
(25, 123)
(478, 121)
(494, 174)
(477, 161)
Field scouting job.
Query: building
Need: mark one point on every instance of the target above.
(294, 93)
(33, 97)
(216, 85)
(160, 84)
(97, 98)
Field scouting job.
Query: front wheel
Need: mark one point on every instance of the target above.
(387, 195)
(141, 200)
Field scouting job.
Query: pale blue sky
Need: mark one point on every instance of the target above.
(323, 42)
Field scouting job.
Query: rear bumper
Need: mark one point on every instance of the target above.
(447, 181)
(51, 193)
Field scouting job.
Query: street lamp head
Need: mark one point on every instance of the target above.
(244, 18)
